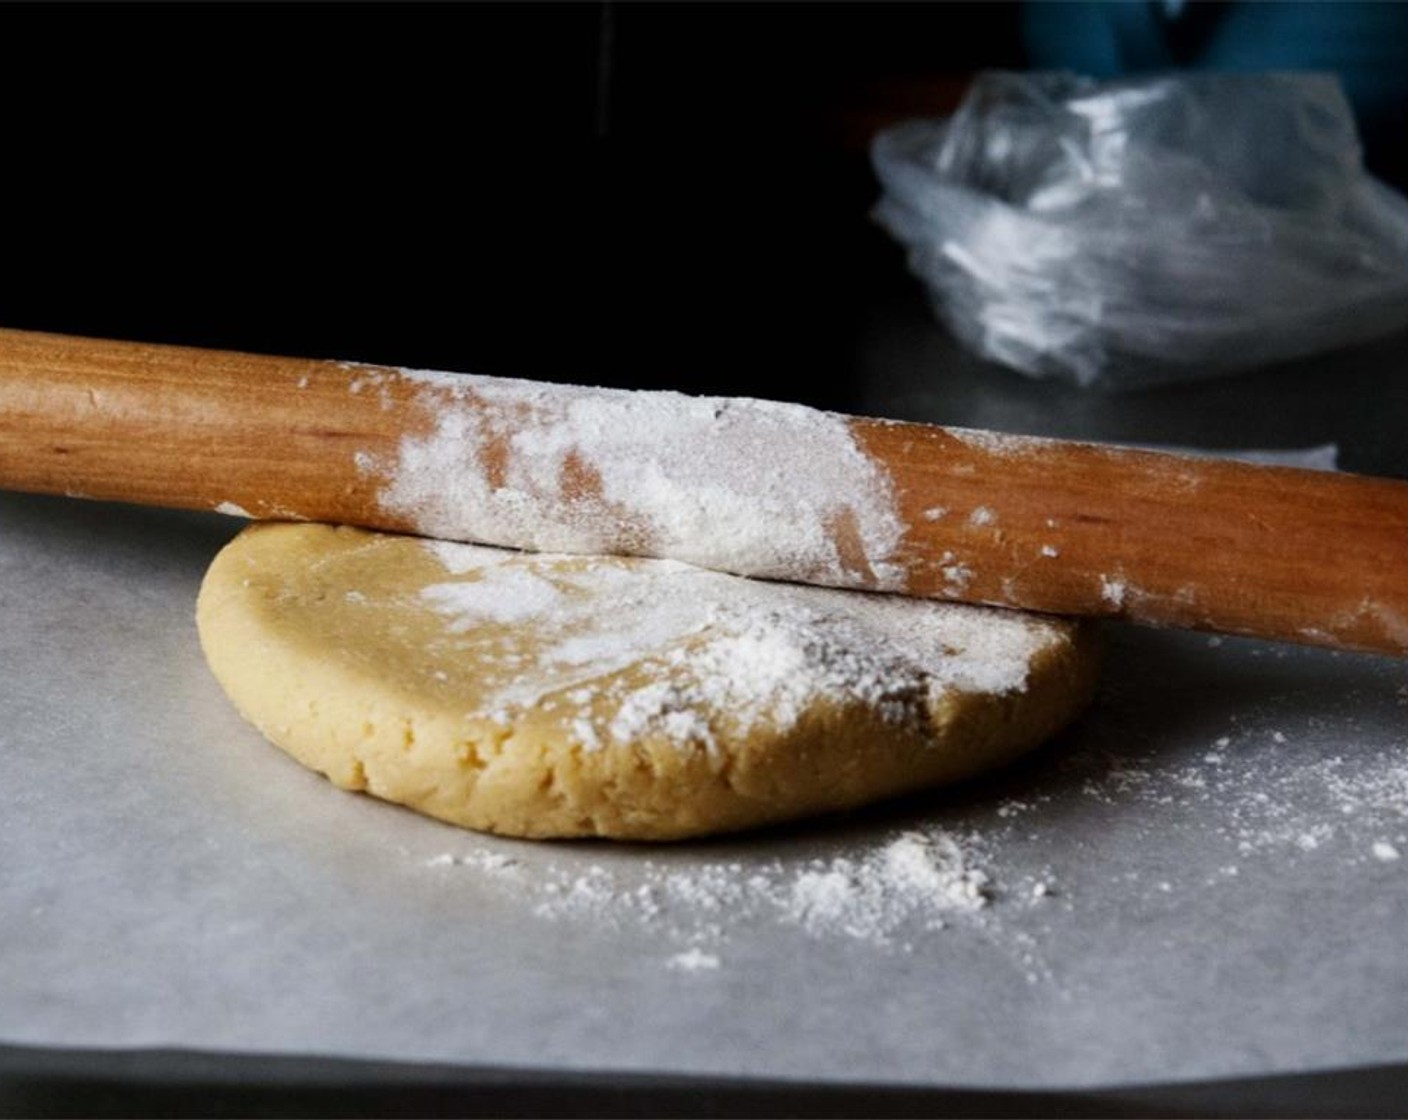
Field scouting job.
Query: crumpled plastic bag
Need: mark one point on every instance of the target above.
(1128, 233)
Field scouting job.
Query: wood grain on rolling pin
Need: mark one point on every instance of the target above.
(753, 487)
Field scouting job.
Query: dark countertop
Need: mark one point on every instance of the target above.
(37, 1082)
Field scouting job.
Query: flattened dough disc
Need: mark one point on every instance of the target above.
(554, 696)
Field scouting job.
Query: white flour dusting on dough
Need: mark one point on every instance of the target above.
(501, 594)
(759, 651)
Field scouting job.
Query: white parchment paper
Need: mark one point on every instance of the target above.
(1207, 876)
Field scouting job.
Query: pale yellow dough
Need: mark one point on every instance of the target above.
(553, 696)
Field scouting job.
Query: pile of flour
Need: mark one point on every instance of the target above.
(915, 881)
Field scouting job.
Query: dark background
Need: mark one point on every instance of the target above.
(627, 194)
(638, 194)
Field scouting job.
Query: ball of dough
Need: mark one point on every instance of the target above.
(556, 696)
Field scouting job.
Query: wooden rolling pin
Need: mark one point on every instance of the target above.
(762, 489)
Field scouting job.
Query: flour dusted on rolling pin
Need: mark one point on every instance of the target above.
(748, 486)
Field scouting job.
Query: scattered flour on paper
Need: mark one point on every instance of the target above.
(1322, 789)
(694, 960)
(1261, 801)
(919, 875)
(914, 882)
(1385, 852)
